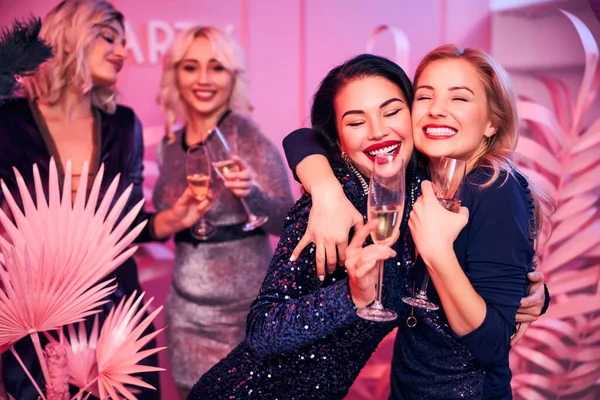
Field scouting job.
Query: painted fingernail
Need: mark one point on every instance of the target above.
(321, 278)
(293, 258)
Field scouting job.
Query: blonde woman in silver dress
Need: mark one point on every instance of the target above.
(204, 84)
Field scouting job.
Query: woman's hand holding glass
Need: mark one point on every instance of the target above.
(239, 178)
(447, 184)
(232, 164)
(385, 205)
(432, 227)
(199, 176)
(189, 208)
(362, 264)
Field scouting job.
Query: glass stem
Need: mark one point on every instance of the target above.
(248, 211)
(423, 292)
(377, 303)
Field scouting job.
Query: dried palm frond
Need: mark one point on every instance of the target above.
(559, 357)
(81, 356)
(102, 364)
(119, 347)
(58, 252)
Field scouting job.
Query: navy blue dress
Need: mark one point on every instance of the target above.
(118, 143)
(496, 252)
(304, 339)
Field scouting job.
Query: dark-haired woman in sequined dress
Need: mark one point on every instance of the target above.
(304, 339)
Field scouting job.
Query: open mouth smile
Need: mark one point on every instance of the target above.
(387, 147)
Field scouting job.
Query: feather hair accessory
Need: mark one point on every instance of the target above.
(21, 53)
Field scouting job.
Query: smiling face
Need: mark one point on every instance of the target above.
(372, 117)
(205, 85)
(107, 55)
(450, 111)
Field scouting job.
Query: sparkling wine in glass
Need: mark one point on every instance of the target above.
(386, 205)
(199, 184)
(198, 173)
(227, 165)
(447, 184)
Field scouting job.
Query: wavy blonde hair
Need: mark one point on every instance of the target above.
(70, 28)
(499, 149)
(226, 51)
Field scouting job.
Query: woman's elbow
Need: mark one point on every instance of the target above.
(259, 338)
(256, 339)
(259, 346)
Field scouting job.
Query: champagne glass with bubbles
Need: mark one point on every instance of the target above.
(386, 205)
(447, 184)
(227, 165)
(198, 173)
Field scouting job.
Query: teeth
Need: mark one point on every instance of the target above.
(203, 94)
(388, 149)
(440, 131)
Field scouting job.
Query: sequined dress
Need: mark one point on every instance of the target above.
(304, 339)
(215, 281)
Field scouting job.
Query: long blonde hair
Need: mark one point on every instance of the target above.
(226, 51)
(498, 151)
(70, 28)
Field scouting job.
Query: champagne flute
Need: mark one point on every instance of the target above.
(447, 185)
(198, 173)
(386, 205)
(227, 165)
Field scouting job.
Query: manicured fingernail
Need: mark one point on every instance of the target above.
(321, 278)
(293, 258)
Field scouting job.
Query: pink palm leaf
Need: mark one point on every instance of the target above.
(559, 356)
(118, 350)
(81, 358)
(57, 252)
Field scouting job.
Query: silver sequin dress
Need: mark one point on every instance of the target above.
(215, 282)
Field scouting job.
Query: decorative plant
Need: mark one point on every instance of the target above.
(52, 265)
(559, 357)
